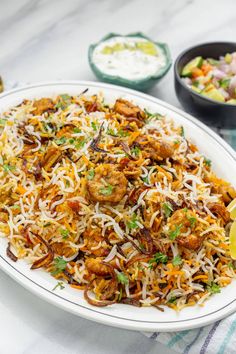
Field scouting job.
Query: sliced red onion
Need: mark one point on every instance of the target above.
(219, 74)
(232, 86)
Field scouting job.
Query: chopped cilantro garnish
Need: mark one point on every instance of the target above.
(59, 265)
(64, 233)
(207, 162)
(173, 234)
(94, 126)
(15, 206)
(111, 132)
(145, 179)
(176, 142)
(65, 97)
(135, 151)
(80, 144)
(177, 260)
(172, 300)
(182, 132)
(231, 265)
(8, 168)
(167, 209)
(121, 133)
(90, 174)
(213, 288)
(192, 220)
(71, 141)
(158, 258)
(59, 285)
(76, 130)
(47, 224)
(60, 141)
(132, 224)
(122, 278)
(107, 190)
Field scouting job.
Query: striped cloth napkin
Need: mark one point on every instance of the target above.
(217, 338)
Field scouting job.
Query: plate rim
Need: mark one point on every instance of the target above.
(86, 312)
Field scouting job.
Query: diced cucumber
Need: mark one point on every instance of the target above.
(228, 58)
(231, 101)
(224, 83)
(194, 63)
(196, 89)
(213, 94)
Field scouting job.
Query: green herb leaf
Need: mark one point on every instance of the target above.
(8, 168)
(231, 265)
(176, 142)
(135, 151)
(132, 224)
(47, 224)
(80, 144)
(213, 288)
(94, 126)
(173, 234)
(167, 209)
(207, 162)
(122, 278)
(145, 179)
(121, 133)
(177, 260)
(15, 206)
(192, 220)
(59, 265)
(59, 285)
(158, 258)
(111, 132)
(76, 130)
(71, 141)
(172, 300)
(60, 141)
(182, 133)
(65, 97)
(90, 174)
(107, 190)
(64, 233)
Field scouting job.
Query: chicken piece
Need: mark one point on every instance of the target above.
(128, 109)
(107, 185)
(42, 105)
(92, 238)
(220, 210)
(228, 193)
(62, 250)
(191, 242)
(185, 219)
(154, 149)
(52, 156)
(95, 265)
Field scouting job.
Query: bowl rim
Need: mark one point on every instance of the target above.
(123, 81)
(179, 79)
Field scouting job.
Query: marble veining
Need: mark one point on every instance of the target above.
(47, 40)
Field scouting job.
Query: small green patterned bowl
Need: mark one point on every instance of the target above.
(140, 84)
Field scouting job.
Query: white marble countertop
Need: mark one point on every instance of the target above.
(48, 40)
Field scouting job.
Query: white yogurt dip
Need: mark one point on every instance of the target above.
(131, 58)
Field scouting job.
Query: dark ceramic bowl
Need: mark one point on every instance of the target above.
(217, 114)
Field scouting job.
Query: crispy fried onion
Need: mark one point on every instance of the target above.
(94, 144)
(45, 260)
(110, 287)
(10, 254)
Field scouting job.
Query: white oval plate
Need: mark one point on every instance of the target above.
(118, 315)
